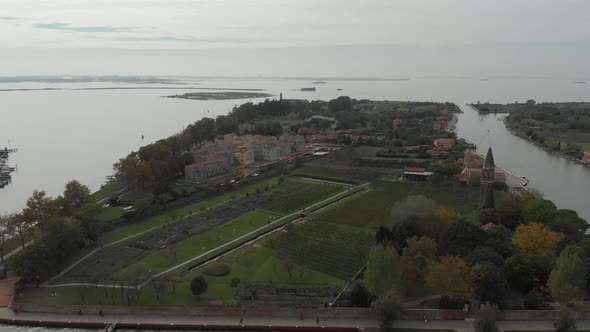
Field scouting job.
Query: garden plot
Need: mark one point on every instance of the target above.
(104, 263)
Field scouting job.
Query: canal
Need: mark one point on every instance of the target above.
(561, 180)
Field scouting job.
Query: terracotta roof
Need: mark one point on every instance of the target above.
(488, 226)
(208, 162)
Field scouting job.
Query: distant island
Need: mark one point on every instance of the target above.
(308, 89)
(319, 82)
(221, 95)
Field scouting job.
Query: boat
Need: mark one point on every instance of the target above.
(308, 89)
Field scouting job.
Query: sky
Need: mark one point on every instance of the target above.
(386, 38)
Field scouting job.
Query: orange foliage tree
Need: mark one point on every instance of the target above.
(535, 239)
(451, 276)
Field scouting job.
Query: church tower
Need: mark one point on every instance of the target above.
(486, 191)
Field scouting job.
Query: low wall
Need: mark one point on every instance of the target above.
(331, 313)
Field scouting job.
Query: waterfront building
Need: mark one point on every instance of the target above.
(444, 143)
(486, 193)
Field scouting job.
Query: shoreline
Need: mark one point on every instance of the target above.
(520, 134)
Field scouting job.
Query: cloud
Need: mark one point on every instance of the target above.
(68, 27)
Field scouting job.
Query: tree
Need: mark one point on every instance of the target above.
(75, 195)
(485, 320)
(416, 258)
(567, 281)
(387, 309)
(566, 320)
(522, 269)
(21, 225)
(509, 212)
(460, 238)
(410, 226)
(383, 270)
(539, 210)
(535, 239)
(359, 294)
(485, 254)
(39, 208)
(490, 282)
(6, 230)
(199, 286)
(383, 236)
(451, 276)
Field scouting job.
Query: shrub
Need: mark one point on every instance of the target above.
(534, 301)
(217, 270)
(199, 286)
(235, 281)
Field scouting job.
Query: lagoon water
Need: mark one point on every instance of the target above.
(78, 134)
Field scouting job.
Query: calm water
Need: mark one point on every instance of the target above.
(64, 135)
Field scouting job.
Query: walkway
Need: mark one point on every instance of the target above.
(88, 316)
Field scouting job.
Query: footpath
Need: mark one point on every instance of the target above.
(7, 316)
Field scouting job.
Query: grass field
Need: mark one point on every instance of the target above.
(109, 213)
(312, 192)
(585, 146)
(108, 189)
(136, 227)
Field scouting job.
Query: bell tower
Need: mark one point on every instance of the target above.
(486, 191)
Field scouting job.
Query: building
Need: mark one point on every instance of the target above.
(203, 171)
(586, 157)
(444, 143)
(486, 187)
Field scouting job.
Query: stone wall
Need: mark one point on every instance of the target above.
(332, 313)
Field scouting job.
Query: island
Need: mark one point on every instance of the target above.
(353, 211)
(222, 95)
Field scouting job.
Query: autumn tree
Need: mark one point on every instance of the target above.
(567, 281)
(535, 239)
(416, 258)
(451, 276)
(383, 270)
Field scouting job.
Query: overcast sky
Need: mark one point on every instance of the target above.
(208, 36)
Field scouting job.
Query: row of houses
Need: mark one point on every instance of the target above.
(233, 153)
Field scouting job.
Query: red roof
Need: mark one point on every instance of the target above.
(488, 226)
(207, 162)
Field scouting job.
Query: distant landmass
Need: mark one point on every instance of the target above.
(88, 79)
(221, 95)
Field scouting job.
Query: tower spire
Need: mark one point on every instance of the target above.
(486, 191)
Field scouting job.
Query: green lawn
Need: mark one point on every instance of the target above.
(108, 189)
(107, 214)
(136, 227)
(585, 146)
(311, 193)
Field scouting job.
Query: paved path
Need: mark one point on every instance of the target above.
(460, 326)
(19, 249)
